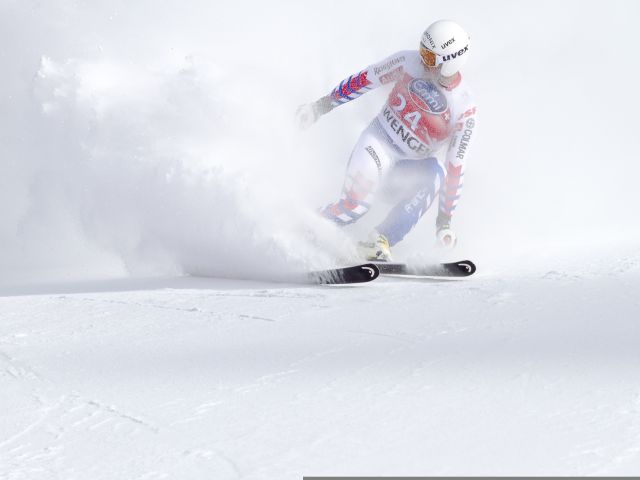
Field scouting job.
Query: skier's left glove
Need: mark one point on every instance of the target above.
(445, 236)
(307, 114)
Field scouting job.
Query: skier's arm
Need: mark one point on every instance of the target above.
(456, 159)
(352, 87)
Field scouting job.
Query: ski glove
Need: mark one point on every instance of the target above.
(446, 238)
(307, 114)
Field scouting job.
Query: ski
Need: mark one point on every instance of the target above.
(463, 268)
(337, 276)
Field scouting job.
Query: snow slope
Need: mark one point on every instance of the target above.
(203, 378)
(157, 201)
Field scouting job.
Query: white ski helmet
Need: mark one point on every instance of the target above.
(445, 43)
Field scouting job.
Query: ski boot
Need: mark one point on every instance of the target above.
(376, 248)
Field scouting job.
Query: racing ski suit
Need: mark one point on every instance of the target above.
(416, 147)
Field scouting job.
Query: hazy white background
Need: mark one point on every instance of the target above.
(157, 137)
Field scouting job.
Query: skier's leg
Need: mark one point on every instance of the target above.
(421, 180)
(369, 162)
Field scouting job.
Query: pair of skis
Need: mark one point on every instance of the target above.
(370, 271)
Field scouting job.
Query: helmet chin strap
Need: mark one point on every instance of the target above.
(442, 80)
(450, 82)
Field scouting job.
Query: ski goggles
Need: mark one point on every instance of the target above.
(429, 58)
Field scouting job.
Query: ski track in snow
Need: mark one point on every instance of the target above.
(497, 374)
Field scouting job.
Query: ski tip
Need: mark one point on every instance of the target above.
(340, 276)
(466, 267)
(371, 270)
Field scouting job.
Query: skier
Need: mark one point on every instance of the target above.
(424, 130)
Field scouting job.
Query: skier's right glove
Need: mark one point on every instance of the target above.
(307, 114)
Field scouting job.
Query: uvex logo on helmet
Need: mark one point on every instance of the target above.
(447, 43)
(428, 37)
(451, 56)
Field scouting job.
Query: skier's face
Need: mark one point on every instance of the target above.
(433, 71)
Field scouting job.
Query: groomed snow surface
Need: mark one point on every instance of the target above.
(204, 378)
(156, 202)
